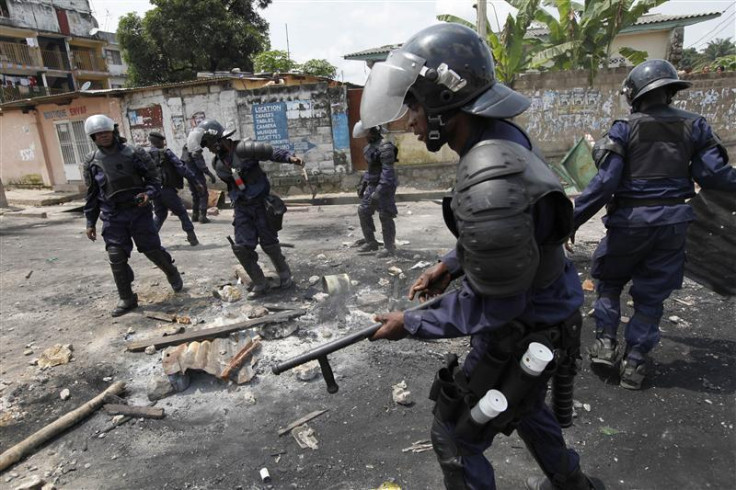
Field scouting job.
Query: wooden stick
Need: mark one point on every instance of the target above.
(213, 332)
(134, 411)
(16, 453)
(301, 421)
(239, 358)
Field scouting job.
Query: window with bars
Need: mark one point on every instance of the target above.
(75, 145)
(113, 57)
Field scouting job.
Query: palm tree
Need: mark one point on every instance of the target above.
(718, 48)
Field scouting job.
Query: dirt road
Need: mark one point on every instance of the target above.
(676, 433)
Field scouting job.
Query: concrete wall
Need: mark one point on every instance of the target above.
(30, 143)
(41, 15)
(564, 107)
(22, 160)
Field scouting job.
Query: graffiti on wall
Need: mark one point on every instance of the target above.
(143, 121)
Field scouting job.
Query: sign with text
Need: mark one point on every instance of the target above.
(270, 124)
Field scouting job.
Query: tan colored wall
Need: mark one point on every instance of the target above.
(30, 144)
(653, 42)
(21, 153)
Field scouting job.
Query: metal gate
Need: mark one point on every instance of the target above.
(75, 145)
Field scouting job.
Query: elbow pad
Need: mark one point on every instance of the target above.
(254, 150)
(603, 147)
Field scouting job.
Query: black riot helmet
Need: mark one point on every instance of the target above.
(445, 68)
(207, 134)
(651, 75)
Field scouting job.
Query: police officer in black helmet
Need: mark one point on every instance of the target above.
(511, 219)
(647, 166)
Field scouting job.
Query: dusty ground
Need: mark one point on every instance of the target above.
(677, 433)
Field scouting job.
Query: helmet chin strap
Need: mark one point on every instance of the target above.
(436, 130)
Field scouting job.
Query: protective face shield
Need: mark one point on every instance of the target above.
(373, 134)
(98, 123)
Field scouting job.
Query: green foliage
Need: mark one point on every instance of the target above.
(319, 68)
(581, 36)
(718, 48)
(276, 61)
(690, 58)
(177, 38)
(512, 51)
(727, 62)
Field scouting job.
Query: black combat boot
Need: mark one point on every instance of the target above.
(123, 276)
(203, 218)
(195, 215)
(249, 260)
(192, 238)
(389, 237)
(163, 261)
(369, 232)
(279, 262)
(574, 481)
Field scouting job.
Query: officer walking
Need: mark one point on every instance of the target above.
(647, 164)
(121, 182)
(173, 171)
(511, 218)
(377, 190)
(196, 164)
(237, 164)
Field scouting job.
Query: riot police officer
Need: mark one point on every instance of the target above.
(173, 172)
(122, 180)
(237, 164)
(511, 217)
(196, 164)
(377, 190)
(646, 167)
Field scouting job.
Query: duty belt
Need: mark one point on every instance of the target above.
(622, 202)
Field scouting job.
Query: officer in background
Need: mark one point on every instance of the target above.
(377, 190)
(511, 219)
(173, 172)
(196, 164)
(237, 164)
(121, 182)
(646, 167)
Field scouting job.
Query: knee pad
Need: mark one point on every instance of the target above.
(364, 211)
(245, 253)
(385, 216)
(117, 255)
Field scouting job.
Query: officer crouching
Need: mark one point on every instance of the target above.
(121, 182)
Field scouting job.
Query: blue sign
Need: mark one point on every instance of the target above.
(301, 146)
(270, 124)
(340, 131)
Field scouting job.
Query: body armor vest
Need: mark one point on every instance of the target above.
(251, 176)
(372, 156)
(660, 144)
(490, 213)
(119, 169)
(169, 175)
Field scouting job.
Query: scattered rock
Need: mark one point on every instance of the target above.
(370, 298)
(586, 406)
(130, 331)
(674, 319)
(230, 294)
(55, 356)
(35, 482)
(255, 311)
(213, 211)
(401, 395)
(278, 330)
(175, 330)
(65, 394)
(394, 271)
(249, 398)
(150, 350)
(625, 319)
(115, 421)
(162, 386)
(184, 320)
(321, 257)
(420, 265)
(107, 379)
(28, 352)
(313, 280)
(383, 282)
(320, 297)
(588, 285)
(307, 372)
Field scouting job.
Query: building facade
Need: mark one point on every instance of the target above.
(50, 47)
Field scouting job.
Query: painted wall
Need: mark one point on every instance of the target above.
(41, 15)
(21, 153)
(564, 108)
(655, 43)
(30, 143)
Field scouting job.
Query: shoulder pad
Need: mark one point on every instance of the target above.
(604, 146)
(388, 152)
(89, 158)
(490, 159)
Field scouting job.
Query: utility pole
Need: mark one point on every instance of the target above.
(288, 53)
(481, 19)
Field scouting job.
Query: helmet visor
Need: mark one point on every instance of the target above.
(194, 140)
(387, 86)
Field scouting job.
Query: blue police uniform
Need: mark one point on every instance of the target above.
(114, 178)
(469, 313)
(378, 192)
(173, 173)
(198, 167)
(251, 222)
(647, 217)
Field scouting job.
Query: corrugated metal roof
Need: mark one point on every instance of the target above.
(645, 20)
